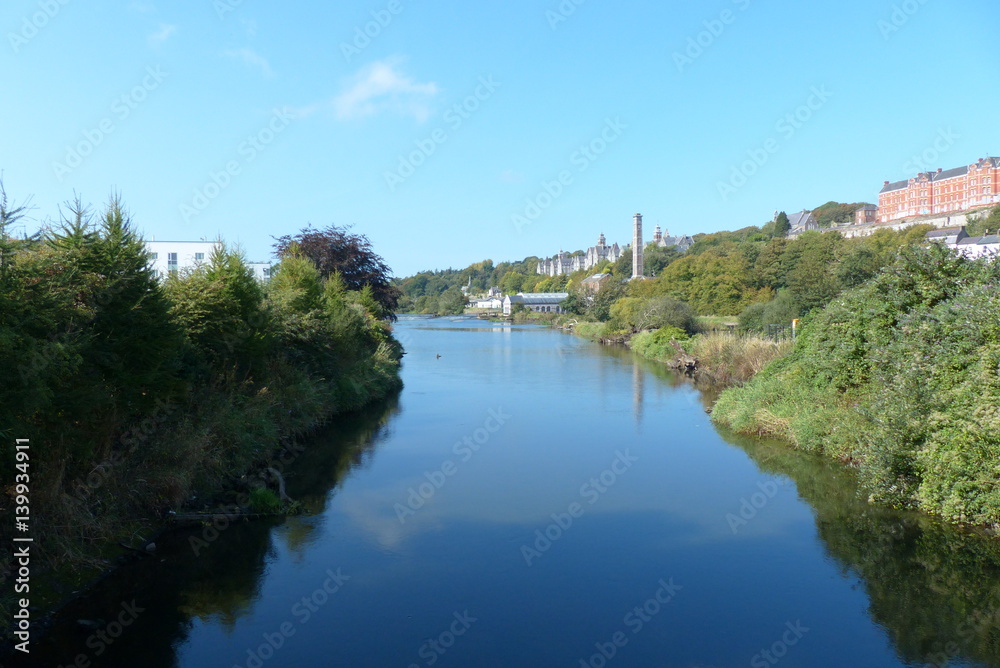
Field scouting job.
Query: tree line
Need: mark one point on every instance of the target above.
(138, 391)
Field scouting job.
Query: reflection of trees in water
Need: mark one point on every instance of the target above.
(934, 587)
(223, 582)
(333, 453)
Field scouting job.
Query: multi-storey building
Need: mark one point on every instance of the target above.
(941, 192)
(567, 264)
(866, 215)
(168, 257)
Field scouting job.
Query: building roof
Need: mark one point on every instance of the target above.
(538, 297)
(942, 175)
(799, 219)
(898, 185)
(868, 207)
(596, 278)
(984, 240)
(943, 232)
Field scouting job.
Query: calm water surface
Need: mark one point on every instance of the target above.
(532, 499)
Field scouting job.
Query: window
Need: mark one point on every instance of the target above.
(199, 256)
(154, 256)
(171, 261)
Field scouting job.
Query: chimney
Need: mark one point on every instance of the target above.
(885, 183)
(637, 246)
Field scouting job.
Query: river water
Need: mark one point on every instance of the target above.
(533, 499)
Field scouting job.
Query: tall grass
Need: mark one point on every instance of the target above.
(735, 358)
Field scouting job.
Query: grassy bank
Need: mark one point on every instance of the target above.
(900, 379)
(723, 357)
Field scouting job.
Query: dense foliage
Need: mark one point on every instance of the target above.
(336, 250)
(900, 376)
(136, 392)
(836, 213)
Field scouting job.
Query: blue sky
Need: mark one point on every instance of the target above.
(455, 132)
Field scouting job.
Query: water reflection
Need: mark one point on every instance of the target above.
(877, 586)
(935, 588)
(189, 583)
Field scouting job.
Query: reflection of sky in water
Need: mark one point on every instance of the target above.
(566, 424)
(572, 407)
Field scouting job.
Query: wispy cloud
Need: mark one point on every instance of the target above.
(142, 7)
(511, 176)
(252, 58)
(162, 35)
(250, 26)
(380, 87)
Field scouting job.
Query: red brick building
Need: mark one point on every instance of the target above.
(866, 215)
(941, 192)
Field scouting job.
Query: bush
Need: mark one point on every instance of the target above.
(779, 311)
(635, 314)
(263, 500)
(899, 377)
(657, 345)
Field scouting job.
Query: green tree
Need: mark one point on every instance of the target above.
(781, 225)
(337, 249)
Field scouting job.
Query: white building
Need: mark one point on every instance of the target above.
(539, 302)
(970, 247)
(492, 303)
(174, 256)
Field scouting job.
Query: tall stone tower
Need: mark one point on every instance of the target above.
(637, 246)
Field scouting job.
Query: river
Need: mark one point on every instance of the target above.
(533, 499)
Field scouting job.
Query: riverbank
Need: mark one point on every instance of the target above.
(898, 379)
(718, 356)
(143, 397)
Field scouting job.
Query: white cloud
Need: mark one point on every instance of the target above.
(511, 176)
(162, 35)
(252, 58)
(250, 27)
(381, 86)
(142, 7)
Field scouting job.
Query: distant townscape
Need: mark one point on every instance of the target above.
(947, 200)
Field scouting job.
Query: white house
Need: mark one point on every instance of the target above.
(493, 303)
(970, 247)
(173, 256)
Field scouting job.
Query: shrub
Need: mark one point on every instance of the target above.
(263, 500)
(899, 377)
